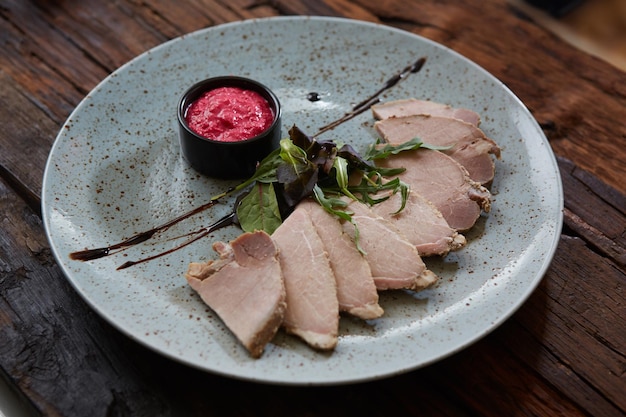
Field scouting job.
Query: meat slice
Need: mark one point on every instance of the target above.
(356, 292)
(421, 223)
(312, 307)
(394, 261)
(468, 144)
(244, 287)
(412, 106)
(445, 183)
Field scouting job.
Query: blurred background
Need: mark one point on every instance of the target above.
(595, 26)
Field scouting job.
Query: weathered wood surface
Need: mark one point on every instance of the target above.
(562, 353)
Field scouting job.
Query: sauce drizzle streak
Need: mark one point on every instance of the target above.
(97, 253)
(373, 99)
(223, 222)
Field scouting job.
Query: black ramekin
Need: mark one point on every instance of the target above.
(227, 160)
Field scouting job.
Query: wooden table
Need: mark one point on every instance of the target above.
(562, 353)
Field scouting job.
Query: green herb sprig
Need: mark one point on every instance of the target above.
(382, 151)
(304, 167)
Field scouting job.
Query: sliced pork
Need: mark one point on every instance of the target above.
(394, 261)
(356, 291)
(444, 182)
(244, 287)
(421, 223)
(468, 144)
(312, 307)
(412, 106)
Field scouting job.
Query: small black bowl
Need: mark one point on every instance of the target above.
(227, 160)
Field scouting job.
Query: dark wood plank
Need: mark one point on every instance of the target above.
(61, 356)
(300, 8)
(103, 32)
(494, 383)
(26, 138)
(560, 354)
(590, 203)
(594, 211)
(169, 21)
(47, 65)
(581, 328)
(586, 326)
(45, 349)
(524, 341)
(565, 346)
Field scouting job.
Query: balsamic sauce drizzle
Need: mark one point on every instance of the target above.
(223, 222)
(374, 98)
(231, 218)
(97, 253)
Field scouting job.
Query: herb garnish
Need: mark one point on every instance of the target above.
(331, 173)
(382, 151)
(258, 209)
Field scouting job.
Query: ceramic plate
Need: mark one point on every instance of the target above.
(115, 170)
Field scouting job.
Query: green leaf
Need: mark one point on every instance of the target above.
(295, 156)
(259, 209)
(388, 172)
(403, 189)
(380, 152)
(369, 190)
(329, 204)
(297, 174)
(265, 172)
(320, 152)
(295, 187)
(405, 195)
(342, 176)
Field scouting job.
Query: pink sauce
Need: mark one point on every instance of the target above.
(229, 114)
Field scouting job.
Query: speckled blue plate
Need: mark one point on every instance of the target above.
(115, 170)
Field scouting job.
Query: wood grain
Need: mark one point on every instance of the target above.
(28, 134)
(562, 353)
(597, 27)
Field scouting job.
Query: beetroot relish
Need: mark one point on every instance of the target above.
(229, 114)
